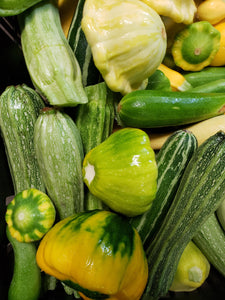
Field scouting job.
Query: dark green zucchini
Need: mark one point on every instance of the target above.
(172, 160)
(198, 196)
(95, 123)
(215, 86)
(59, 151)
(81, 48)
(19, 109)
(206, 75)
(158, 81)
(210, 239)
(150, 109)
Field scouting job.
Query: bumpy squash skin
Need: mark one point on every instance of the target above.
(30, 215)
(122, 171)
(50, 61)
(98, 253)
(19, 109)
(59, 151)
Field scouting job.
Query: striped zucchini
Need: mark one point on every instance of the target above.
(59, 151)
(19, 109)
(51, 63)
(95, 123)
(172, 160)
(210, 239)
(220, 212)
(81, 48)
(198, 196)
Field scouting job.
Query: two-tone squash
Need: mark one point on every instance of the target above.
(98, 253)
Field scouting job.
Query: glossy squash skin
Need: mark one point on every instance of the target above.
(30, 215)
(98, 253)
(122, 171)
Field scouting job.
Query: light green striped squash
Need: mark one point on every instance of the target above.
(59, 151)
(19, 109)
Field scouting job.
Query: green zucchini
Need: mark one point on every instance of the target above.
(198, 196)
(30, 215)
(59, 151)
(172, 160)
(19, 109)
(215, 86)
(220, 212)
(81, 48)
(14, 7)
(151, 109)
(94, 120)
(50, 61)
(26, 280)
(206, 75)
(210, 239)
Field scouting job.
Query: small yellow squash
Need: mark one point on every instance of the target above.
(98, 253)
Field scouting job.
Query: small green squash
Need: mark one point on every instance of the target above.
(196, 46)
(98, 253)
(122, 171)
(30, 215)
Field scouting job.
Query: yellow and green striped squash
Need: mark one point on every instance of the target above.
(30, 215)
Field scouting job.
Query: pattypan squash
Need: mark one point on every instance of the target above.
(98, 253)
(122, 171)
(127, 40)
(181, 11)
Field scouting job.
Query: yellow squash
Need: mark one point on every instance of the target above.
(98, 253)
(212, 11)
(219, 59)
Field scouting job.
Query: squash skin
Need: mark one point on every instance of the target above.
(122, 171)
(86, 252)
(30, 215)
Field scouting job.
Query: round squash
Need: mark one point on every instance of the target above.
(98, 253)
(30, 215)
(122, 171)
(127, 40)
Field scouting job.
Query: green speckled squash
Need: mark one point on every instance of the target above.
(30, 215)
(122, 171)
(98, 253)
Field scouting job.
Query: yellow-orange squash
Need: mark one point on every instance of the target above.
(98, 253)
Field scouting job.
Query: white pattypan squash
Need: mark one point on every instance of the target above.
(127, 39)
(181, 11)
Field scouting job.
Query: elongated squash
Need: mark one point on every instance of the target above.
(197, 197)
(94, 120)
(59, 151)
(171, 160)
(152, 109)
(12, 7)
(19, 109)
(82, 50)
(50, 61)
(210, 239)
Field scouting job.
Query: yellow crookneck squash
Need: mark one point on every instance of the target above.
(98, 253)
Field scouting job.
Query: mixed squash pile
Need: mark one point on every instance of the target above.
(117, 150)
